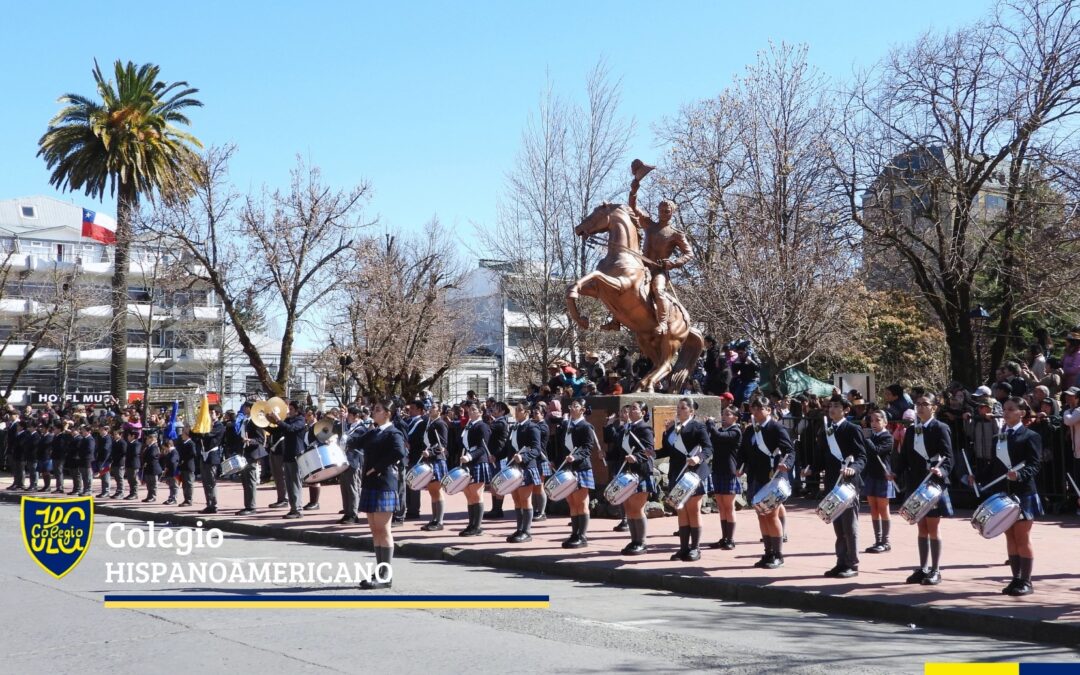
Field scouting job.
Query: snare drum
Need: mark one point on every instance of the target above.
(921, 501)
(995, 515)
(322, 463)
(232, 464)
(561, 485)
(841, 498)
(507, 480)
(455, 480)
(772, 494)
(621, 487)
(419, 476)
(683, 490)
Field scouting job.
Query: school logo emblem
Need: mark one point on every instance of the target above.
(57, 532)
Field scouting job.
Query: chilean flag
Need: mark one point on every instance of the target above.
(98, 226)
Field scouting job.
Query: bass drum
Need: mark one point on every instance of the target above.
(455, 480)
(561, 485)
(322, 463)
(772, 494)
(995, 515)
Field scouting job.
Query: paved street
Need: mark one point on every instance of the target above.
(63, 626)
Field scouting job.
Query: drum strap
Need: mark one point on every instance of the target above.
(759, 439)
(920, 442)
(834, 447)
(1002, 450)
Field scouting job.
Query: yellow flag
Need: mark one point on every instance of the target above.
(202, 419)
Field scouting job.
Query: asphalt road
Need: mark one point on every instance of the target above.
(62, 626)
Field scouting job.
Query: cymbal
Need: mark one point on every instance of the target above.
(324, 429)
(258, 415)
(279, 406)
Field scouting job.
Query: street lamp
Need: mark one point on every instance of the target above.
(345, 360)
(978, 318)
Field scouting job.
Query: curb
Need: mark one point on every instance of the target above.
(965, 621)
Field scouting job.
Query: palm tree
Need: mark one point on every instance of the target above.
(127, 142)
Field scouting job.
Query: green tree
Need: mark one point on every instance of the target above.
(128, 143)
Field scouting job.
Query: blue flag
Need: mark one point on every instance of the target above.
(170, 432)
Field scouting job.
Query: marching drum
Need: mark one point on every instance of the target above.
(419, 476)
(507, 480)
(322, 463)
(842, 497)
(621, 487)
(921, 501)
(996, 514)
(561, 485)
(232, 464)
(455, 480)
(772, 494)
(682, 490)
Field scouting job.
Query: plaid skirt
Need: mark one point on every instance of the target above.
(585, 479)
(646, 485)
(706, 487)
(546, 469)
(943, 509)
(1030, 506)
(440, 468)
(378, 501)
(480, 473)
(728, 485)
(878, 487)
(532, 477)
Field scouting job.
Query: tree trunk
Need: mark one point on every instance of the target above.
(962, 362)
(126, 205)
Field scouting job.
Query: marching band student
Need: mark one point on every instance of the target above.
(133, 450)
(415, 428)
(539, 417)
(151, 465)
(116, 471)
(575, 441)
(186, 450)
(522, 448)
(170, 465)
(843, 453)
(310, 439)
(475, 456)
(31, 445)
(436, 436)
(766, 448)
(352, 435)
(686, 444)
(61, 439)
(384, 448)
(500, 432)
(45, 448)
(927, 440)
(878, 488)
(614, 454)
(1015, 444)
(294, 433)
(104, 458)
(85, 457)
(725, 440)
(635, 439)
(253, 445)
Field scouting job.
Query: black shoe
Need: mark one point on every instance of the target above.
(774, 562)
(623, 526)
(834, 572)
(209, 509)
(245, 512)
(169, 502)
(727, 544)
(576, 542)
(60, 492)
(681, 554)
(278, 505)
(1012, 585)
(519, 538)
(348, 520)
(130, 497)
(470, 532)
(932, 579)
(73, 492)
(149, 500)
(1023, 588)
(366, 585)
(432, 527)
(85, 493)
(412, 516)
(493, 514)
(762, 562)
(340, 513)
(693, 555)
(785, 538)
(917, 576)
(313, 506)
(116, 495)
(539, 517)
(293, 514)
(847, 573)
(879, 547)
(634, 548)
(185, 503)
(100, 495)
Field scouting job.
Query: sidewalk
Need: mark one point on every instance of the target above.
(968, 599)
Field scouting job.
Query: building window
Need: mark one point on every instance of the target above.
(481, 385)
(28, 211)
(995, 202)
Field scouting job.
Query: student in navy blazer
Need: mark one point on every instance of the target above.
(476, 457)
(436, 434)
(766, 449)
(522, 449)
(635, 443)
(726, 437)
(686, 444)
(384, 449)
(1015, 444)
(843, 438)
(926, 439)
(574, 442)
(877, 486)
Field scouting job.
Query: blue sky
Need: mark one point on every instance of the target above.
(426, 100)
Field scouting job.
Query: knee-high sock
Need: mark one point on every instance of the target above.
(632, 523)
(574, 527)
(539, 500)
(684, 537)
(727, 529)
(479, 514)
(877, 530)
(935, 553)
(526, 520)
(924, 551)
(1025, 568)
(1014, 565)
(695, 537)
(583, 527)
(885, 531)
(437, 511)
(517, 514)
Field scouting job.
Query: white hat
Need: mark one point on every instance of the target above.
(983, 391)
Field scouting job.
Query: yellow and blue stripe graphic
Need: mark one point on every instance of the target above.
(322, 601)
(1001, 668)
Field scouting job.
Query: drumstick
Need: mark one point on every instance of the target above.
(886, 470)
(970, 472)
(1003, 476)
(1073, 483)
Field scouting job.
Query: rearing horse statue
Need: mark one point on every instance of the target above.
(621, 282)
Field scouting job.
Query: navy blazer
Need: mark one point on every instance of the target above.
(44, 447)
(478, 434)
(878, 446)
(435, 436)
(256, 442)
(500, 434)
(852, 444)
(1024, 446)
(383, 449)
(86, 448)
(913, 467)
(694, 435)
(582, 437)
(295, 431)
(186, 450)
(640, 438)
(119, 450)
(104, 448)
(151, 463)
(725, 443)
(133, 450)
(416, 438)
(758, 465)
(211, 442)
(170, 462)
(527, 436)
